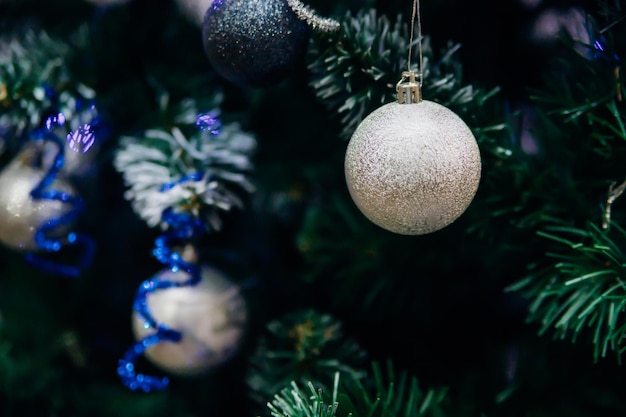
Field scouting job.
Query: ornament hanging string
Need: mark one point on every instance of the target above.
(416, 14)
(412, 166)
(42, 191)
(408, 89)
(181, 227)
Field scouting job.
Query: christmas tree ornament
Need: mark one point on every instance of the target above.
(22, 215)
(210, 316)
(188, 319)
(257, 43)
(38, 207)
(412, 166)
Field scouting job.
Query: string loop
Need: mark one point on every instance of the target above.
(416, 13)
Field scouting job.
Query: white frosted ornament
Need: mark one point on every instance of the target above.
(211, 316)
(412, 166)
(21, 215)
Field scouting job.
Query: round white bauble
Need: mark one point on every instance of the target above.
(211, 316)
(194, 10)
(20, 214)
(412, 168)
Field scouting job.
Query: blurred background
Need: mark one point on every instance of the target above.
(434, 305)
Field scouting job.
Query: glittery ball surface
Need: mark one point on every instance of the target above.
(211, 316)
(254, 43)
(20, 214)
(412, 168)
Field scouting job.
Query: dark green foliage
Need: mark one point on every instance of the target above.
(306, 346)
(582, 295)
(434, 304)
(36, 79)
(582, 145)
(388, 396)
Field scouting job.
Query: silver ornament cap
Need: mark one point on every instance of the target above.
(412, 167)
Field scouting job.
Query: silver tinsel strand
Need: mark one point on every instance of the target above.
(304, 12)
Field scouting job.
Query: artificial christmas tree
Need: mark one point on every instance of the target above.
(218, 263)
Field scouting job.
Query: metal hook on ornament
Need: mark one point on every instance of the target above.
(408, 89)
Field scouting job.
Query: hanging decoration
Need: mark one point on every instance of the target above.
(37, 206)
(189, 318)
(207, 310)
(258, 43)
(412, 166)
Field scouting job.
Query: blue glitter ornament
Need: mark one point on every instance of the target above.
(254, 43)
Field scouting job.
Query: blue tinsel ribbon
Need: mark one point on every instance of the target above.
(182, 226)
(43, 191)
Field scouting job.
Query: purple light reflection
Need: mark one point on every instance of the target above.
(81, 139)
(209, 122)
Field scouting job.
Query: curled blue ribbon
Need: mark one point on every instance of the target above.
(181, 226)
(42, 191)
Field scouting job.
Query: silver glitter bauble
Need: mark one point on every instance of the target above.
(20, 214)
(254, 43)
(211, 316)
(412, 168)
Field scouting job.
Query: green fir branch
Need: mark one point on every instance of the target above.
(36, 79)
(387, 394)
(579, 113)
(380, 395)
(204, 173)
(586, 94)
(333, 234)
(293, 401)
(582, 293)
(304, 346)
